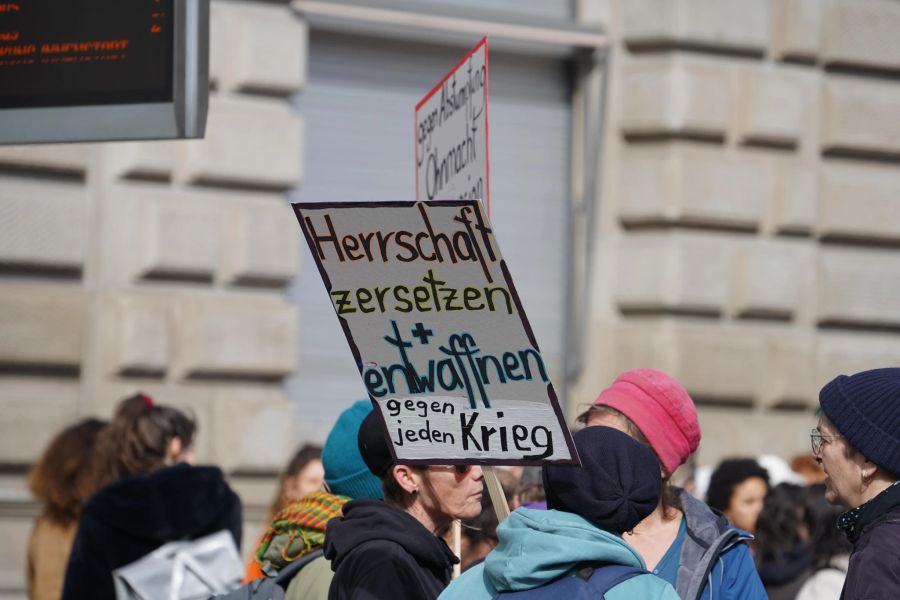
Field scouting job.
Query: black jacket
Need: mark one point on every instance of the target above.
(874, 572)
(379, 552)
(131, 517)
(784, 576)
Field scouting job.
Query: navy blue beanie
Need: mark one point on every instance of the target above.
(865, 409)
(345, 471)
(617, 485)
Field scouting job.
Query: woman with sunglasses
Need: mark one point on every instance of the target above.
(391, 549)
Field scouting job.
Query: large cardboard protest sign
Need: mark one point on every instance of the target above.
(438, 332)
(451, 130)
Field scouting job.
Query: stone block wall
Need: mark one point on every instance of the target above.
(160, 266)
(749, 229)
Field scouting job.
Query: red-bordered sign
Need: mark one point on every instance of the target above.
(451, 133)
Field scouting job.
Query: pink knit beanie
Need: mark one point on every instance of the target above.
(661, 409)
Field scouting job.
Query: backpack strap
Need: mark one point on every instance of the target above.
(588, 581)
(606, 577)
(284, 576)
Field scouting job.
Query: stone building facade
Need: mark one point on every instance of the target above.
(747, 237)
(159, 266)
(750, 217)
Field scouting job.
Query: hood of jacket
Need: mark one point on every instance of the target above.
(704, 523)
(537, 546)
(374, 520)
(172, 503)
(709, 537)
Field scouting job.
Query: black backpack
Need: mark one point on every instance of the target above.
(586, 583)
(272, 588)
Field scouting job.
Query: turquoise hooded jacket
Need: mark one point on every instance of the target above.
(537, 546)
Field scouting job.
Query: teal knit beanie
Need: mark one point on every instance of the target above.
(345, 472)
(865, 408)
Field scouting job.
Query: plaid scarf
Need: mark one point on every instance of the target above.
(303, 521)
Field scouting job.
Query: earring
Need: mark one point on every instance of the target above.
(415, 490)
(863, 480)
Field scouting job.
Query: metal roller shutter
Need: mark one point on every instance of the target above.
(358, 112)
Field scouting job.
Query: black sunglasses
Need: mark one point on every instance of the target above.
(460, 469)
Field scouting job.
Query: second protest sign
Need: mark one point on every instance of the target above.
(439, 335)
(451, 130)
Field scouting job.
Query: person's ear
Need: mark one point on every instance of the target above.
(868, 470)
(407, 478)
(177, 452)
(174, 450)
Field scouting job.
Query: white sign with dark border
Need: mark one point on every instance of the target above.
(438, 331)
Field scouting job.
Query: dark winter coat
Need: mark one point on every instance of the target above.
(874, 572)
(784, 576)
(379, 552)
(131, 517)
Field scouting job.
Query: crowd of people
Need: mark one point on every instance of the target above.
(348, 522)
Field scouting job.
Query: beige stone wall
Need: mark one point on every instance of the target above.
(749, 234)
(159, 266)
(748, 240)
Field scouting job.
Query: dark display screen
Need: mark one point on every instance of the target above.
(85, 52)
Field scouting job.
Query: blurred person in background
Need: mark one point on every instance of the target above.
(531, 489)
(857, 440)
(299, 528)
(782, 542)
(779, 470)
(152, 495)
(62, 479)
(737, 488)
(808, 468)
(509, 481)
(303, 475)
(830, 548)
(390, 550)
(682, 540)
(577, 544)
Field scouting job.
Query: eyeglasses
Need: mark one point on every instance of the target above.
(459, 469)
(817, 439)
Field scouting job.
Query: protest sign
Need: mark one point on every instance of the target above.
(451, 131)
(438, 332)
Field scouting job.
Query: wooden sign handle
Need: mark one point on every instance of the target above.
(456, 537)
(498, 498)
